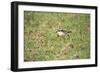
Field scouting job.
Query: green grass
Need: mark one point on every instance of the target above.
(41, 42)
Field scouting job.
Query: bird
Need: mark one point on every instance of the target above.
(62, 33)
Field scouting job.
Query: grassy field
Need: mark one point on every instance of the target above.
(41, 42)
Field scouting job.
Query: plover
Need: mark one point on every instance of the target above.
(62, 33)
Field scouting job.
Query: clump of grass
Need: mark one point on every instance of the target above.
(40, 38)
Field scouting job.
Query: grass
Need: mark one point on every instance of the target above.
(41, 42)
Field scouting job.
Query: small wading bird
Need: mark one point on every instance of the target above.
(63, 33)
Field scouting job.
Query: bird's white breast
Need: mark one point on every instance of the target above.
(61, 33)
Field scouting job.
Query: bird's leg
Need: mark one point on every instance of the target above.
(57, 35)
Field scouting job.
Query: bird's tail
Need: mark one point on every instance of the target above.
(68, 32)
